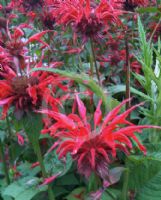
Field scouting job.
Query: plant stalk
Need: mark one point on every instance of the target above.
(37, 150)
(94, 62)
(10, 138)
(128, 95)
(5, 168)
(124, 194)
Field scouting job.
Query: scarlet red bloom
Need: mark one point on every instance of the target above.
(16, 47)
(28, 92)
(130, 5)
(87, 18)
(94, 150)
(29, 5)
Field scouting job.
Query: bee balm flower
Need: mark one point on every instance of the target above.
(87, 18)
(94, 149)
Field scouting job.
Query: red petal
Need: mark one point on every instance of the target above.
(113, 113)
(66, 121)
(50, 179)
(81, 108)
(98, 114)
(37, 36)
(93, 154)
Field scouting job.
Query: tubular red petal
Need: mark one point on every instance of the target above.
(81, 109)
(98, 114)
(112, 114)
(93, 155)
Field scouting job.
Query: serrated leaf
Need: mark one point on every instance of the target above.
(143, 168)
(53, 165)
(151, 190)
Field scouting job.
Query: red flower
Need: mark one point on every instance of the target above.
(29, 5)
(28, 92)
(130, 5)
(16, 47)
(95, 149)
(89, 19)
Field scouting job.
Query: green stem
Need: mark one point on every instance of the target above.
(95, 62)
(5, 168)
(40, 159)
(128, 105)
(10, 139)
(37, 150)
(124, 194)
(91, 66)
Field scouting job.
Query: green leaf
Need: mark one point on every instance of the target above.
(142, 33)
(94, 182)
(151, 190)
(26, 170)
(122, 88)
(59, 190)
(2, 135)
(53, 165)
(78, 191)
(25, 189)
(111, 194)
(143, 168)
(67, 179)
(33, 125)
(147, 10)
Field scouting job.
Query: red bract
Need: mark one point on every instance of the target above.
(86, 17)
(95, 149)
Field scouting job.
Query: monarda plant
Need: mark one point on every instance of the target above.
(80, 100)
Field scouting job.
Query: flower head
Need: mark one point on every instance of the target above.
(86, 18)
(94, 150)
(130, 5)
(28, 92)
